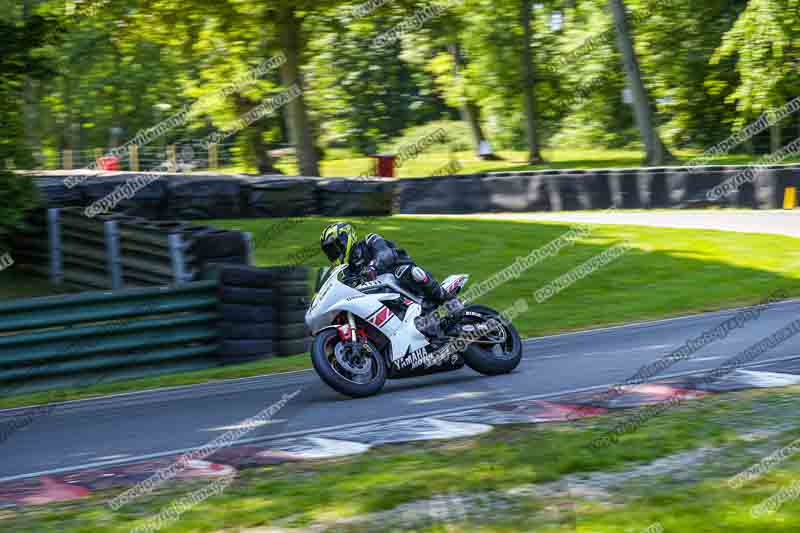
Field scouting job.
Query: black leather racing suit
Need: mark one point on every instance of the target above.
(384, 257)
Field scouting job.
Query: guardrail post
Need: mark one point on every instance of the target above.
(249, 253)
(113, 261)
(54, 247)
(178, 260)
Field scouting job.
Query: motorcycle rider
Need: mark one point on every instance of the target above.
(374, 256)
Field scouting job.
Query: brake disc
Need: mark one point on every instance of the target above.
(355, 363)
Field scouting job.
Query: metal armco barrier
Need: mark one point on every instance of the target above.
(95, 337)
(120, 251)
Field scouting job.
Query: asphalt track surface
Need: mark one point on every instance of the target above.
(137, 426)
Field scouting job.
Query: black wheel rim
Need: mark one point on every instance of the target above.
(358, 379)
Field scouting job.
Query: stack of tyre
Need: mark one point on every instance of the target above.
(213, 246)
(292, 296)
(262, 312)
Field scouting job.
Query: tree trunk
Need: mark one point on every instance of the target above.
(255, 139)
(656, 152)
(296, 111)
(470, 112)
(31, 102)
(528, 82)
(116, 130)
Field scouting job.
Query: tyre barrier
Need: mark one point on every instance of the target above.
(262, 312)
(569, 191)
(676, 184)
(348, 197)
(293, 298)
(624, 185)
(442, 195)
(54, 193)
(208, 197)
(204, 197)
(149, 202)
(219, 247)
(770, 183)
(516, 194)
(280, 197)
(702, 182)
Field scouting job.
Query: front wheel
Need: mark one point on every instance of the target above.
(497, 352)
(356, 370)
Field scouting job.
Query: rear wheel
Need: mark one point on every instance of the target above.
(353, 369)
(497, 352)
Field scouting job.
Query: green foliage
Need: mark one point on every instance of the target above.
(366, 95)
(96, 76)
(458, 137)
(763, 40)
(18, 195)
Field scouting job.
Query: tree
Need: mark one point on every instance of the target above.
(292, 42)
(23, 35)
(528, 83)
(763, 43)
(656, 152)
(470, 111)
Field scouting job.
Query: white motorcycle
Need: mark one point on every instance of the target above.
(366, 332)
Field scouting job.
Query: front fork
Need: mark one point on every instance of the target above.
(348, 332)
(352, 322)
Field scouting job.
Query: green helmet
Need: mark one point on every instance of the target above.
(337, 240)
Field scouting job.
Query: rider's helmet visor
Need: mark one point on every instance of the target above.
(332, 248)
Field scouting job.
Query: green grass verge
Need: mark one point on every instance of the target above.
(669, 272)
(688, 496)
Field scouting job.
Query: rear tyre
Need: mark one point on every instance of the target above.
(492, 360)
(325, 363)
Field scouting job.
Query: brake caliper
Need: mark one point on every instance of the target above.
(344, 332)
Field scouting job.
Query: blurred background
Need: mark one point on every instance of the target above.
(515, 84)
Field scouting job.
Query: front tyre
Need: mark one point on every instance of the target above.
(355, 374)
(489, 357)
